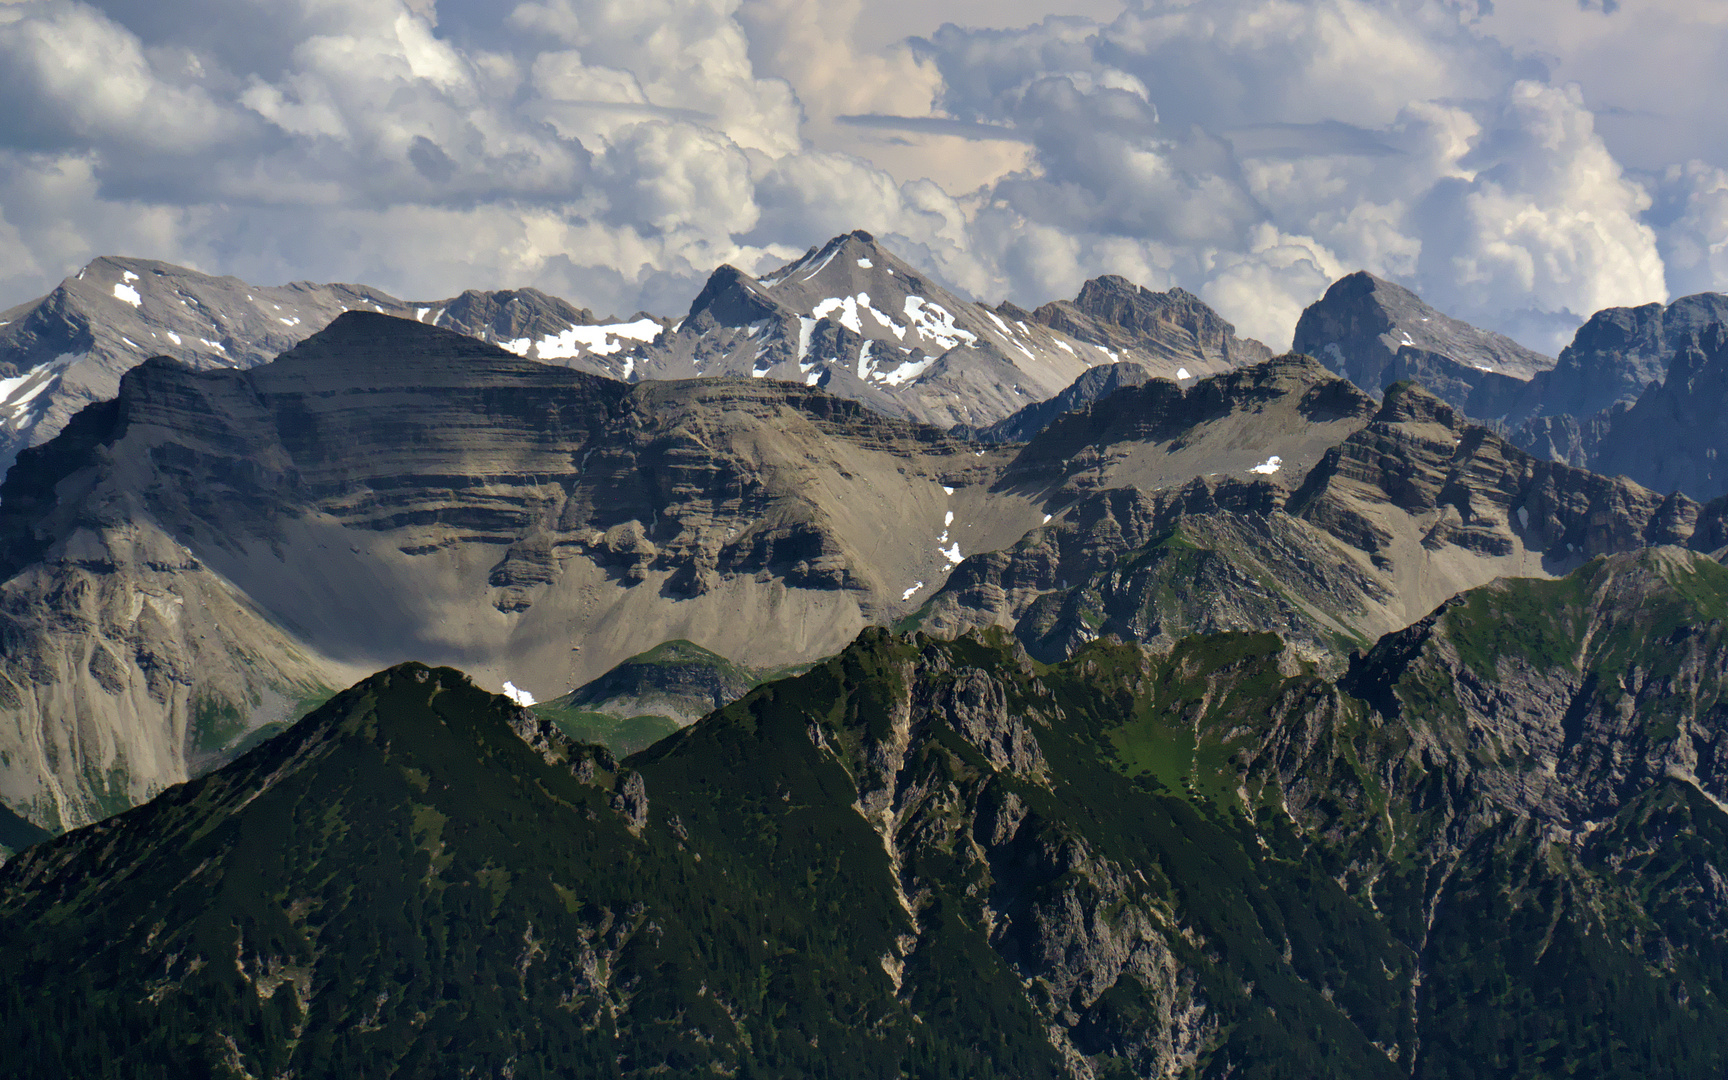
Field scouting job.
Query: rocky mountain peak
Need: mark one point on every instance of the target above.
(1376, 332)
(1613, 358)
(367, 338)
(1120, 301)
(731, 297)
(851, 317)
(512, 313)
(71, 347)
(1113, 311)
(1675, 436)
(1621, 351)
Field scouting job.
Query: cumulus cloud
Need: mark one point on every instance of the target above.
(1695, 241)
(71, 77)
(615, 151)
(1256, 148)
(1547, 217)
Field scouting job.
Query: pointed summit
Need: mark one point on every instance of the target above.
(1375, 332)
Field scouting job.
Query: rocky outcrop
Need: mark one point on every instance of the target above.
(1572, 700)
(1275, 418)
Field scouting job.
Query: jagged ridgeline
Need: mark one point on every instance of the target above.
(1491, 848)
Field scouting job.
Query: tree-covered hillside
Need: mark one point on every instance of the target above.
(1492, 849)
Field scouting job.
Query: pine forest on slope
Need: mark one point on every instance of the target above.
(931, 858)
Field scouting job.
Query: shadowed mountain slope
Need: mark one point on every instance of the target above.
(1673, 436)
(71, 347)
(930, 859)
(651, 695)
(1091, 385)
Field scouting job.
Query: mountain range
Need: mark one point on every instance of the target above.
(70, 348)
(211, 552)
(915, 350)
(888, 685)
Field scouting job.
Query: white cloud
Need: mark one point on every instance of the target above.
(69, 75)
(617, 150)
(1695, 243)
(1548, 218)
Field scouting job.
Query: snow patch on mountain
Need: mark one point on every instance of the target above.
(936, 323)
(574, 341)
(848, 308)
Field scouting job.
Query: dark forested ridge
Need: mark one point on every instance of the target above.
(1492, 848)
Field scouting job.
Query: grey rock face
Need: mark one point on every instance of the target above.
(1376, 333)
(1663, 373)
(1616, 355)
(1675, 436)
(1093, 384)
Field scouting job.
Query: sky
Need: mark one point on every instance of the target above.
(1519, 163)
